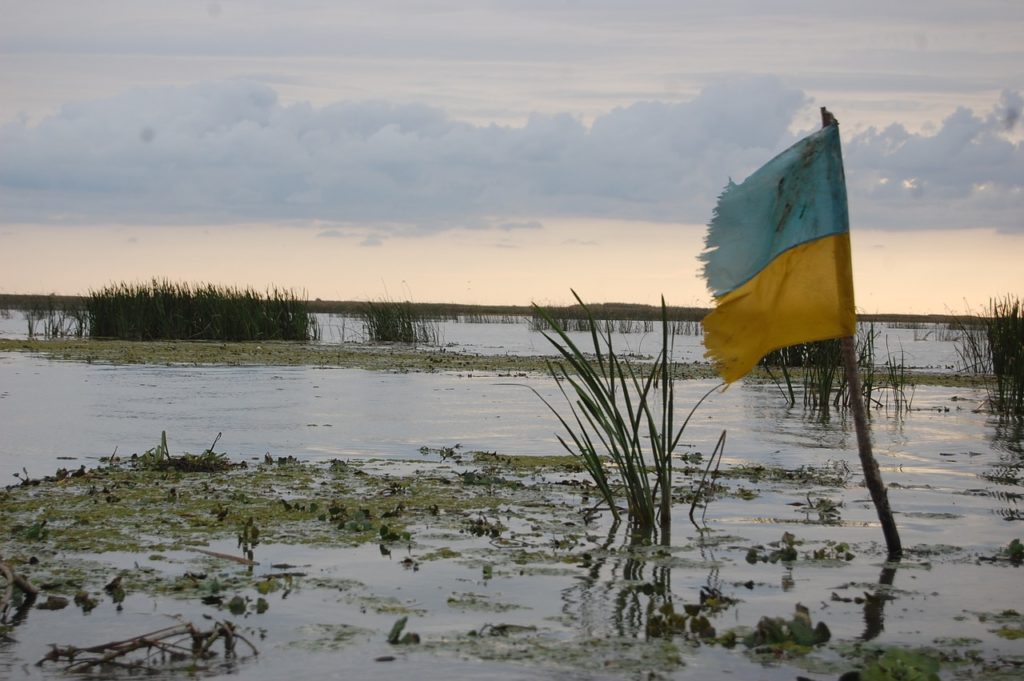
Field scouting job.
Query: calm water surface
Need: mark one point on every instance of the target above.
(953, 473)
(932, 346)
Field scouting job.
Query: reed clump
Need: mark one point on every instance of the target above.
(1005, 333)
(397, 322)
(621, 318)
(818, 368)
(992, 345)
(822, 381)
(162, 310)
(621, 421)
(972, 348)
(54, 317)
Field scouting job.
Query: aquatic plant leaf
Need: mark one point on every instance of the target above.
(395, 635)
(237, 606)
(902, 665)
(774, 631)
(1015, 552)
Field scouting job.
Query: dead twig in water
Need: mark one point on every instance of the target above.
(179, 642)
(227, 556)
(14, 580)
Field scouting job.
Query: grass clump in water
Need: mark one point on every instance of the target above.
(54, 317)
(165, 310)
(396, 322)
(994, 345)
(1005, 329)
(623, 415)
(818, 365)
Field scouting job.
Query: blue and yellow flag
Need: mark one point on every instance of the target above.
(777, 257)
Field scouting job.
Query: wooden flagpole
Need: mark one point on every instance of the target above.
(872, 476)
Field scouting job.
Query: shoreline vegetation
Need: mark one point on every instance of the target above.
(393, 357)
(181, 324)
(452, 311)
(165, 310)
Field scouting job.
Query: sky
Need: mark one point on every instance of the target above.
(498, 152)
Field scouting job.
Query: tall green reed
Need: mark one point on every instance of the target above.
(898, 381)
(397, 322)
(822, 371)
(818, 366)
(182, 311)
(815, 371)
(619, 318)
(972, 348)
(1005, 331)
(623, 415)
(53, 317)
(993, 345)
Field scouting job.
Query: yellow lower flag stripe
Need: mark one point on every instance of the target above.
(803, 295)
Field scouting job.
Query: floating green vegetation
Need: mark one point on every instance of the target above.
(479, 602)
(330, 637)
(832, 473)
(1015, 552)
(786, 550)
(171, 534)
(778, 636)
(1009, 632)
(159, 458)
(692, 623)
(155, 502)
(166, 310)
(608, 657)
(902, 665)
(565, 463)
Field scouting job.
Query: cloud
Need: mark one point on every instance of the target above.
(513, 226)
(969, 173)
(232, 152)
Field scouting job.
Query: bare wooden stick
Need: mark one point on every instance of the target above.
(872, 477)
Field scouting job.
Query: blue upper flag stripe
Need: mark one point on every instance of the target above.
(797, 197)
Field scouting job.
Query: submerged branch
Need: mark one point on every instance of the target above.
(180, 641)
(14, 580)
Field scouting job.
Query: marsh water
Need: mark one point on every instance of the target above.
(954, 473)
(54, 410)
